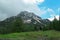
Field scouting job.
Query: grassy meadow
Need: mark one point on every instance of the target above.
(36, 35)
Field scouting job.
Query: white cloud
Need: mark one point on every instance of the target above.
(40, 1)
(57, 17)
(29, 1)
(32, 1)
(47, 11)
(13, 7)
(51, 11)
(52, 17)
(58, 10)
(53, 14)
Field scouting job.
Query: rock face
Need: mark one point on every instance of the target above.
(29, 18)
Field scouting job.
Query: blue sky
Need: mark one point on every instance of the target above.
(52, 4)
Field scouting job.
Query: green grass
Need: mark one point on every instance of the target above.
(32, 35)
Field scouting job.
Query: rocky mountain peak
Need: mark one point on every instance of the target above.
(28, 16)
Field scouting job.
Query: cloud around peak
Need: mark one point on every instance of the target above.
(13, 7)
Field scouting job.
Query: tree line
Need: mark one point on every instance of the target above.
(18, 26)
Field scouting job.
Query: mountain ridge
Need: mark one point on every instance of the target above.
(27, 17)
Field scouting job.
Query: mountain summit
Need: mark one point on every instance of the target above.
(27, 17)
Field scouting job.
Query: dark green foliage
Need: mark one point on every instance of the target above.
(17, 25)
(27, 27)
(54, 25)
(11, 26)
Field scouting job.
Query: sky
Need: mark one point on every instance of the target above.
(46, 9)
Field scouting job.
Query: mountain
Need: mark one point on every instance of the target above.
(27, 18)
(24, 21)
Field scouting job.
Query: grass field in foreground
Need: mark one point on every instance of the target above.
(33, 35)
